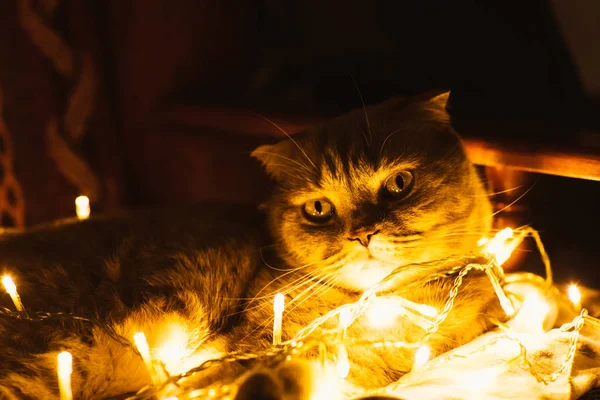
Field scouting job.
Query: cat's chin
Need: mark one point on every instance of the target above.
(363, 274)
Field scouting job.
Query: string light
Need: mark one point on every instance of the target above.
(11, 289)
(325, 385)
(142, 345)
(343, 364)
(345, 319)
(64, 370)
(533, 312)
(532, 315)
(421, 356)
(82, 207)
(382, 312)
(278, 306)
(575, 296)
(505, 302)
(482, 242)
(497, 246)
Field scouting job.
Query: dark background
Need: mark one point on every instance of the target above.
(179, 83)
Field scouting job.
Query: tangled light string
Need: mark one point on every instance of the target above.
(492, 254)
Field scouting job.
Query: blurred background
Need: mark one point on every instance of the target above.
(154, 102)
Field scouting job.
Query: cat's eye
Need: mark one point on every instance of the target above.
(320, 210)
(399, 184)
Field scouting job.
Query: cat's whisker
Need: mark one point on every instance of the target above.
(304, 167)
(323, 274)
(450, 232)
(497, 193)
(280, 289)
(284, 170)
(362, 101)
(288, 272)
(268, 322)
(285, 289)
(323, 285)
(457, 237)
(483, 218)
(386, 139)
(327, 285)
(289, 137)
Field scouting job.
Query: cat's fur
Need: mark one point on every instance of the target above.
(210, 271)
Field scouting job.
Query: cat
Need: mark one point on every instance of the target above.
(353, 200)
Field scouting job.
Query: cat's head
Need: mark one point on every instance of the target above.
(369, 192)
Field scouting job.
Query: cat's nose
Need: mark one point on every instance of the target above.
(363, 236)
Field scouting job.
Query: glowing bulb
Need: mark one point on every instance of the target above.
(279, 303)
(345, 318)
(381, 313)
(9, 285)
(11, 289)
(142, 345)
(421, 356)
(384, 310)
(505, 234)
(343, 364)
(278, 306)
(498, 247)
(428, 311)
(173, 349)
(325, 385)
(532, 315)
(575, 296)
(64, 370)
(82, 207)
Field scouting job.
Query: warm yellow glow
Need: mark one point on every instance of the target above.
(382, 313)
(279, 303)
(479, 380)
(142, 345)
(64, 370)
(177, 347)
(172, 351)
(82, 207)
(428, 311)
(482, 241)
(497, 246)
(11, 289)
(345, 318)
(9, 285)
(421, 356)
(575, 296)
(532, 315)
(278, 306)
(325, 384)
(343, 364)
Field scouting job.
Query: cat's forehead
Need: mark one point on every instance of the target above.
(349, 180)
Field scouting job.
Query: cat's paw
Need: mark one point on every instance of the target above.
(291, 381)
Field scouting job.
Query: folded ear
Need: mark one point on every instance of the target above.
(435, 104)
(279, 159)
